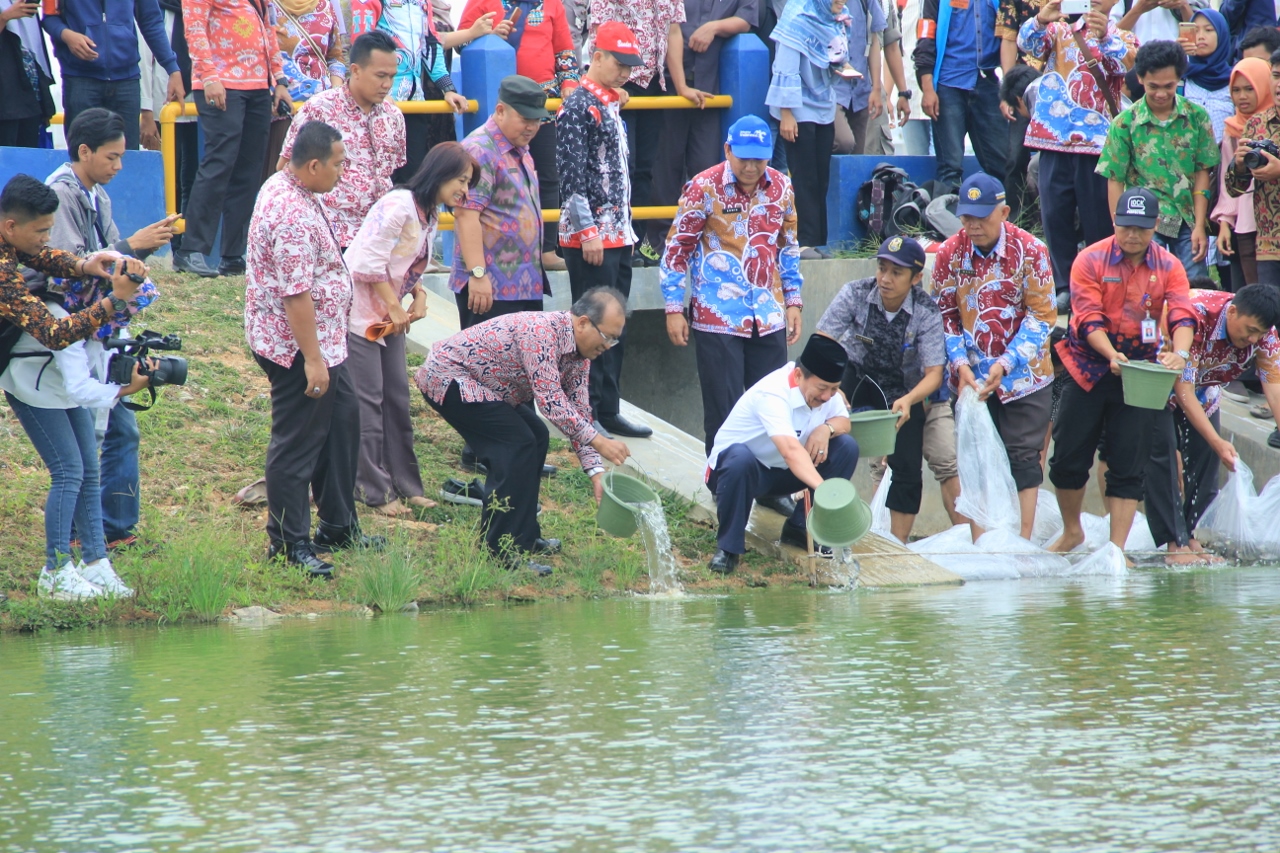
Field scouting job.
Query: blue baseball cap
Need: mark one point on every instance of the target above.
(904, 252)
(979, 195)
(750, 139)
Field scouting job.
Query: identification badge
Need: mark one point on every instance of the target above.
(1148, 331)
(732, 209)
(959, 4)
(864, 339)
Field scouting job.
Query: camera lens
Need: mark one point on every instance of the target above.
(170, 370)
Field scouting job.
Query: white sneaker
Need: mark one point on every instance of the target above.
(102, 574)
(66, 584)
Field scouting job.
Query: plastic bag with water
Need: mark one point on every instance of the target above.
(955, 551)
(1030, 560)
(988, 494)
(1242, 522)
(1107, 560)
(881, 521)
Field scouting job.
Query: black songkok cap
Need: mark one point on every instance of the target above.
(825, 358)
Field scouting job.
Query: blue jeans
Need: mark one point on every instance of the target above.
(121, 501)
(1181, 246)
(123, 97)
(917, 136)
(65, 441)
(974, 112)
(779, 160)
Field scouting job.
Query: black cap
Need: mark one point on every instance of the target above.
(524, 96)
(903, 251)
(825, 358)
(1138, 208)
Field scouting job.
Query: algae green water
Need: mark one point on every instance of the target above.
(1036, 715)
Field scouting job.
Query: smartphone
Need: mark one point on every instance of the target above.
(1075, 8)
(1186, 32)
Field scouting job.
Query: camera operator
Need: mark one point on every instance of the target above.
(1257, 166)
(26, 218)
(54, 395)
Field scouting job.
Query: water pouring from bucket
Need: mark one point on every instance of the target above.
(628, 505)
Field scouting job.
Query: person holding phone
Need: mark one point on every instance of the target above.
(1154, 20)
(1208, 81)
(24, 66)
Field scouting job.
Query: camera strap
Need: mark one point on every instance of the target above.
(134, 407)
(1090, 61)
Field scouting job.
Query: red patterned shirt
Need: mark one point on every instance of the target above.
(651, 22)
(1214, 359)
(514, 359)
(231, 44)
(997, 308)
(375, 148)
(1112, 294)
(292, 250)
(740, 250)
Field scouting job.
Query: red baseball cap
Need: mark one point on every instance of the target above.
(618, 39)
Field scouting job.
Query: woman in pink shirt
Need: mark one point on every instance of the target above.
(386, 260)
(1251, 93)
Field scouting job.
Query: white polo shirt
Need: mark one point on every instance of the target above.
(772, 407)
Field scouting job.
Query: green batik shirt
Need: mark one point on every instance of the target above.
(1162, 156)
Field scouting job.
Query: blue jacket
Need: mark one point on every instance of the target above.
(1244, 15)
(110, 25)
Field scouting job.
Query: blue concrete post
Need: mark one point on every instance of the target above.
(478, 70)
(744, 74)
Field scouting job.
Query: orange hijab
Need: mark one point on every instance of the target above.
(1258, 73)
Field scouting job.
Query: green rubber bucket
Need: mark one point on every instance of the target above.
(874, 431)
(839, 517)
(1146, 385)
(617, 513)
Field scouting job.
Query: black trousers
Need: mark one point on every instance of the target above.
(468, 318)
(644, 128)
(905, 461)
(606, 371)
(21, 132)
(227, 182)
(543, 151)
(1173, 508)
(739, 478)
(1077, 209)
(1127, 441)
(727, 366)
(314, 450)
(1015, 169)
(512, 441)
(810, 160)
(691, 143)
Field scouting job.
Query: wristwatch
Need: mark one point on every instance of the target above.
(118, 305)
(591, 472)
(478, 272)
(907, 94)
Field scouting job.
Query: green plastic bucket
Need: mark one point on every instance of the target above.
(617, 513)
(839, 517)
(874, 431)
(1147, 385)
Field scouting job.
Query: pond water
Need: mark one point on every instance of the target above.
(1102, 715)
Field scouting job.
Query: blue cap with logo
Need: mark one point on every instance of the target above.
(979, 195)
(750, 139)
(904, 252)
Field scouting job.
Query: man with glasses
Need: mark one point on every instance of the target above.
(483, 381)
(595, 224)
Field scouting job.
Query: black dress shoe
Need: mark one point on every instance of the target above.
(231, 266)
(471, 463)
(455, 491)
(301, 554)
(599, 427)
(723, 562)
(546, 546)
(193, 262)
(1273, 440)
(618, 425)
(330, 537)
(783, 505)
(796, 536)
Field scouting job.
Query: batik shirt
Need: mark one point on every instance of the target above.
(375, 148)
(230, 43)
(292, 250)
(1266, 194)
(1110, 294)
(1071, 113)
(545, 55)
(1162, 156)
(411, 27)
(506, 196)
(318, 30)
(595, 201)
(742, 253)
(1214, 359)
(651, 22)
(997, 308)
(515, 359)
(21, 308)
(1010, 17)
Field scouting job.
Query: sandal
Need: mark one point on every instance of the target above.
(421, 502)
(1261, 412)
(254, 494)
(392, 508)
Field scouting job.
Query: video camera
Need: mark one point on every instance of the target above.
(169, 369)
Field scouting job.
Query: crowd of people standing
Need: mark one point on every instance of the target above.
(1147, 116)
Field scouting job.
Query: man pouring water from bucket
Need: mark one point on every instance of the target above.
(788, 432)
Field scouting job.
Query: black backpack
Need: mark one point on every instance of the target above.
(879, 197)
(9, 334)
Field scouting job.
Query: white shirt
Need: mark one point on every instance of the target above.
(59, 379)
(1155, 25)
(772, 407)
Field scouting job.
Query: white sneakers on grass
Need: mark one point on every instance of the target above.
(88, 580)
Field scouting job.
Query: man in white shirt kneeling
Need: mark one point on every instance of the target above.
(789, 431)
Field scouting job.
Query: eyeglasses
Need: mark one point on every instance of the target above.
(609, 340)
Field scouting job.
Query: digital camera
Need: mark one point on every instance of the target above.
(168, 370)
